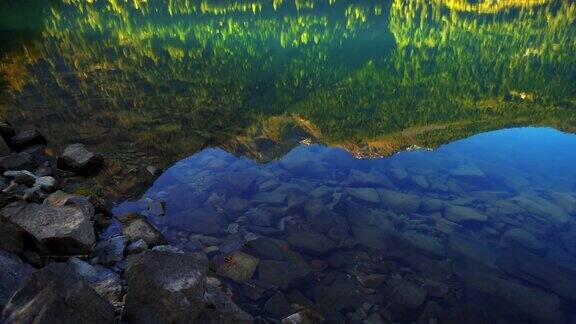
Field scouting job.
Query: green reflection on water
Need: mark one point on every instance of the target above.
(169, 77)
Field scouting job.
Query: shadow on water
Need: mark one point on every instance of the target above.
(479, 230)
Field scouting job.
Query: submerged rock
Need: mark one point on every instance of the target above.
(238, 266)
(57, 293)
(220, 308)
(464, 215)
(518, 237)
(364, 194)
(111, 251)
(76, 158)
(405, 299)
(400, 202)
(311, 242)
(165, 287)
(137, 227)
(26, 138)
(58, 230)
(12, 273)
(280, 273)
(104, 281)
(278, 305)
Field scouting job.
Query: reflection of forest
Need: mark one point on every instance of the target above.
(173, 76)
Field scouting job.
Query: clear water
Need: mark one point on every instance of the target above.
(364, 152)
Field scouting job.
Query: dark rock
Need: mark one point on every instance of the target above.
(26, 138)
(364, 194)
(104, 281)
(305, 316)
(76, 158)
(238, 266)
(518, 237)
(204, 220)
(277, 305)
(256, 290)
(7, 131)
(426, 244)
(102, 221)
(110, 251)
(60, 198)
(400, 202)
(341, 295)
(137, 227)
(12, 273)
(220, 307)
(165, 287)
(57, 294)
(311, 242)
(261, 217)
(464, 215)
(371, 280)
(137, 247)
(405, 298)
(280, 273)
(16, 162)
(58, 230)
(540, 272)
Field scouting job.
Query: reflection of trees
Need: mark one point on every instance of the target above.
(175, 75)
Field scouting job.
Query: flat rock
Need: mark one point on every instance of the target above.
(281, 274)
(77, 158)
(311, 242)
(464, 215)
(277, 306)
(239, 266)
(543, 208)
(400, 202)
(426, 244)
(518, 237)
(57, 294)
(63, 230)
(467, 171)
(138, 228)
(364, 194)
(220, 307)
(12, 273)
(165, 287)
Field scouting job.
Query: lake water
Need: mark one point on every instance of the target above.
(380, 161)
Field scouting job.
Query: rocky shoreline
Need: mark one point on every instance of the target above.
(54, 267)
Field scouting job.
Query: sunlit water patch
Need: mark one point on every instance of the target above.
(480, 230)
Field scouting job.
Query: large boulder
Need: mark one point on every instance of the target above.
(64, 230)
(25, 138)
(76, 158)
(165, 287)
(57, 294)
(12, 272)
(104, 281)
(220, 307)
(400, 202)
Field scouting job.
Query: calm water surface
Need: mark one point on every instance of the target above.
(362, 154)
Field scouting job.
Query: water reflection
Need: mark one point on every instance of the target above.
(166, 78)
(480, 230)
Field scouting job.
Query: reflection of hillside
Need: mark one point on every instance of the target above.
(174, 76)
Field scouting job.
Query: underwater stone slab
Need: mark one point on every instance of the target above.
(518, 237)
(543, 208)
(239, 266)
(364, 194)
(405, 299)
(400, 202)
(311, 242)
(281, 274)
(426, 244)
(464, 215)
(137, 227)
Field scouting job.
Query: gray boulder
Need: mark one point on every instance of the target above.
(16, 162)
(165, 287)
(239, 266)
(464, 215)
(400, 202)
(406, 299)
(137, 227)
(111, 251)
(64, 230)
(25, 138)
(57, 294)
(220, 307)
(76, 158)
(104, 281)
(520, 238)
(12, 272)
(311, 242)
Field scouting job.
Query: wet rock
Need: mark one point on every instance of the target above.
(306, 316)
(238, 266)
(22, 177)
(280, 273)
(102, 221)
(261, 217)
(464, 215)
(273, 198)
(518, 237)
(540, 272)
(4, 149)
(76, 158)
(405, 298)
(165, 287)
(111, 251)
(364, 194)
(445, 226)
(12, 273)
(277, 305)
(137, 247)
(153, 170)
(426, 244)
(467, 171)
(16, 162)
(371, 280)
(57, 293)
(26, 138)
(543, 208)
(256, 290)
(60, 198)
(220, 307)
(237, 205)
(340, 295)
(400, 202)
(310, 242)
(431, 205)
(137, 227)
(167, 248)
(7, 131)
(104, 281)
(205, 220)
(57, 230)
(435, 289)
(514, 301)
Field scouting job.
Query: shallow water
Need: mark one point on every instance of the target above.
(481, 229)
(281, 113)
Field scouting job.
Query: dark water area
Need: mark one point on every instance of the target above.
(370, 161)
(481, 230)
